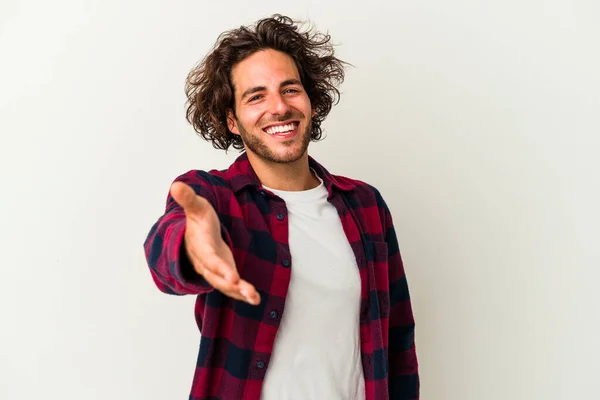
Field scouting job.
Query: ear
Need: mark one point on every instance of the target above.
(313, 112)
(232, 122)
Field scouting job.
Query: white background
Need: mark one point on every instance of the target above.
(477, 120)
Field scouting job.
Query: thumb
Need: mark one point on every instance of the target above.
(186, 197)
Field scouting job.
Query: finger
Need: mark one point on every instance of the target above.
(217, 266)
(186, 197)
(249, 292)
(223, 286)
(242, 291)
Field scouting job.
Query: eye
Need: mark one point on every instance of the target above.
(253, 98)
(291, 90)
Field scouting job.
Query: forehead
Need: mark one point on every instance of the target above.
(263, 68)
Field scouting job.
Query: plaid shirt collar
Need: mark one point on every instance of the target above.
(241, 174)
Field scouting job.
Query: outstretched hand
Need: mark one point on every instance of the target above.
(209, 254)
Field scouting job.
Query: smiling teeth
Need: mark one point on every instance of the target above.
(280, 129)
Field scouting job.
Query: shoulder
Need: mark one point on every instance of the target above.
(365, 193)
(210, 184)
(203, 178)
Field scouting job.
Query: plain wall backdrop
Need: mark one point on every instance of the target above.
(477, 120)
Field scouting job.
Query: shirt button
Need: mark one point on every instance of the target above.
(260, 364)
(285, 263)
(273, 314)
(280, 217)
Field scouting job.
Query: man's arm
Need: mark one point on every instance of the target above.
(404, 382)
(164, 247)
(189, 250)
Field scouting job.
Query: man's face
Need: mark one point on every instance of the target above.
(273, 112)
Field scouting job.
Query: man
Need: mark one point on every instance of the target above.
(301, 291)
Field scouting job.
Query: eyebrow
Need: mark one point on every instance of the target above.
(255, 89)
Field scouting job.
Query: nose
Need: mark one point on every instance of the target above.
(278, 105)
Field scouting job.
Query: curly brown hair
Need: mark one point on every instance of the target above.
(209, 87)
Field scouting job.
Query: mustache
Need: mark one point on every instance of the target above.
(288, 115)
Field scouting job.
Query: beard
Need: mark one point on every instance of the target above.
(294, 151)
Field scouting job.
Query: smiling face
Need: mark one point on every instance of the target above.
(272, 110)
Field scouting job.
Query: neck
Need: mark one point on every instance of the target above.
(292, 177)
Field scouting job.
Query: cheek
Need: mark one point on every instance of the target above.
(308, 110)
(303, 105)
(252, 116)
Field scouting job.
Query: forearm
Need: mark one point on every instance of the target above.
(404, 381)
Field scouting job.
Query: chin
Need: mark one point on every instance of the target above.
(283, 158)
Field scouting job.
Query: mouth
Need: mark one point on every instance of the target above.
(283, 130)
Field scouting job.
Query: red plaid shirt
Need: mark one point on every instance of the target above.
(237, 338)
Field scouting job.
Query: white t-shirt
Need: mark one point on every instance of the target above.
(317, 349)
